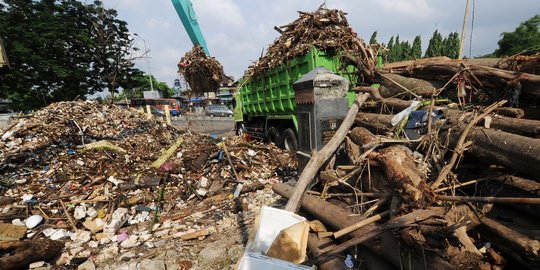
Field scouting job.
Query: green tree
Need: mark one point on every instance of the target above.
(373, 38)
(54, 50)
(450, 46)
(524, 38)
(112, 59)
(405, 51)
(435, 45)
(138, 81)
(416, 50)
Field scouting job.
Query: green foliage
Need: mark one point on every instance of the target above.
(373, 38)
(526, 37)
(137, 82)
(61, 50)
(399, 51)
(435, 45)
(416, 50)
(450, 46)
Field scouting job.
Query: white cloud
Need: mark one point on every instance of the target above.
(237, 30)
(224, 13)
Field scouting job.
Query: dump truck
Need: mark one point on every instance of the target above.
(265, 106)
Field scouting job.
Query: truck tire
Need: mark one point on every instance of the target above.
(290, 142)
(272, 135)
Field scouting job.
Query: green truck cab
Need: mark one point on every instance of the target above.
(265, 106)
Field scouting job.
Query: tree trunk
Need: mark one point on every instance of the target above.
(508, 150)
(387, 246)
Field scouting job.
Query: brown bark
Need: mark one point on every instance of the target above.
(508, 150)
(27, 252)
(392, 84)
(490, 77)
(387, 246)
(492, 146)
(522, 248)
(511, 112)
(315, 244)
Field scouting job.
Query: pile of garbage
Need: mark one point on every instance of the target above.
(325, 29)
(96, 182)
(437, 169)
(202, 72)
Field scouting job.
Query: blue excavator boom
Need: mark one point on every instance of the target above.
(185, 11)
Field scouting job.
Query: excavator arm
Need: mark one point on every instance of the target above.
(185, 11)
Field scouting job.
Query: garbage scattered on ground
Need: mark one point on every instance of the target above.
(107, 181)
(202, 72)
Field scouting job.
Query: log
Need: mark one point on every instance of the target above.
(522, 248)
(511, 112)
(526, 127)
(523, 184)
(491, 146)
(394, 84)
(318, 158)
(376, 123)
(508, 150)
(490, 77)
(338, 218)
(27, 252)
(314, 245)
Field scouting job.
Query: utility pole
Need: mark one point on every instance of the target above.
(148, 62)
(462, 39)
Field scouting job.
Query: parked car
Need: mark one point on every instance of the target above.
(218, 110)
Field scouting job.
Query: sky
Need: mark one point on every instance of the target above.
(237, 31)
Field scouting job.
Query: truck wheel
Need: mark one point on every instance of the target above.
(273, 135)
(290, 142)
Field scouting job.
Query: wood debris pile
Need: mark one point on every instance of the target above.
(99, 178)
(325, 29)
(438, 171)
(202, 72)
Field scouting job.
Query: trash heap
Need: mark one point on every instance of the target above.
(202, 72)
(96, 183)
(438, 169)
(325, 29)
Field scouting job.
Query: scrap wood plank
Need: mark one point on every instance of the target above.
(167, 154)
(11, 232)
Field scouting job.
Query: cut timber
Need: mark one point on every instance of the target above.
(401, 171)
(26, 252)
(526, 185)
(511, 112)
(491, 146)
(105, 145)
(376, 123)
(320, 157)
(387, 247)
(522, 248)
(11, 232)
(525, 127)
(314, 244)
(508, 150)
(490, 77)
(167, 154)
(394, 84)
